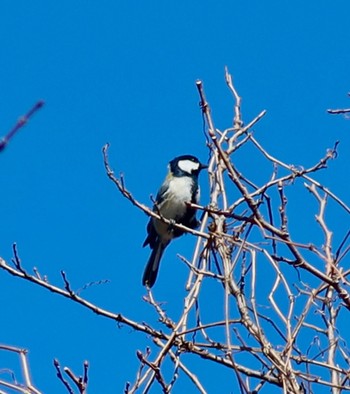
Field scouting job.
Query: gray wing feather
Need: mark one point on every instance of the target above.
(162, 192)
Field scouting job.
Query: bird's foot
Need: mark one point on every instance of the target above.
(172, 223)
(171, 226)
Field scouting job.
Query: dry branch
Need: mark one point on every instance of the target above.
(281, 299)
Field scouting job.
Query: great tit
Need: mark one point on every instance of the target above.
(179, 188)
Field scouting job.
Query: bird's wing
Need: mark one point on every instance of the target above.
(152, 235)
(161, 194)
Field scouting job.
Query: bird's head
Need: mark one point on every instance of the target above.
(186, 165)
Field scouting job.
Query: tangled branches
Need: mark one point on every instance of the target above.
(279, 300)
(238, 243)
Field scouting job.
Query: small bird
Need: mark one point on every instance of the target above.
(179, 188)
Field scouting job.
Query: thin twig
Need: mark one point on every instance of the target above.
(22, 121)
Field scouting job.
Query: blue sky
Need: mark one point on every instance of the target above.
(124, 73)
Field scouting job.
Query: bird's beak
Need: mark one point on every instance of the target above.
(202, 166)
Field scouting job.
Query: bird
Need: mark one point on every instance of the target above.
(179, 188)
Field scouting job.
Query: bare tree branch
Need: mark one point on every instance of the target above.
(279, 298)
(22, 121)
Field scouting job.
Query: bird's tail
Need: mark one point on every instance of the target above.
(151, 270)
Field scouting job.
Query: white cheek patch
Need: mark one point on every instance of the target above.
(188, 166)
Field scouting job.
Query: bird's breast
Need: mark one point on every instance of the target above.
(180, 190)
(178, 194)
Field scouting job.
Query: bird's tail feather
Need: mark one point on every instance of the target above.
(151, 270)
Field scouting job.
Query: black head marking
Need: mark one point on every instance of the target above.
(186, 165)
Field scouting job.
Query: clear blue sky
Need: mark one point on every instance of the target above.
(124, 72)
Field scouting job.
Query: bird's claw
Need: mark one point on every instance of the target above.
(171, 225)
